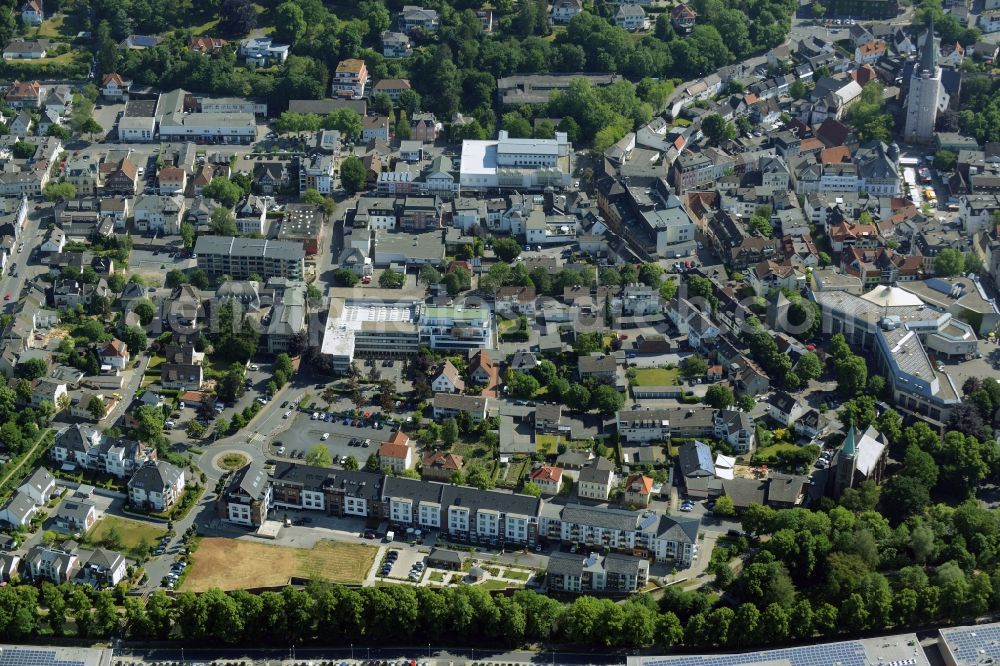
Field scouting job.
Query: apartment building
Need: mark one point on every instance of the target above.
(613, 574)
(240, 257)
(456, 327)
(350, 78)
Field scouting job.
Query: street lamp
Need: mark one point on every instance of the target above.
(352, 651)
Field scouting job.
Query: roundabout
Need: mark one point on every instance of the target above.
(228, 461)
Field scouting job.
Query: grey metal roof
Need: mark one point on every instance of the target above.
(565, 564)
(604, 517)
(599, 470)
(249, 247)
(251, 479)
(683, 530)
(155, 476)
(696, 457)
(496, 500)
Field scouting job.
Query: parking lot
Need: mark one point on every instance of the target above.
(305, 433)
(404, 564)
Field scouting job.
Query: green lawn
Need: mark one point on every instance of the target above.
(516, 575)
(206, 27)
(657, 377)
(775, 449)
(547, 444)
(216, 367)
(133, 533)
(53, 28)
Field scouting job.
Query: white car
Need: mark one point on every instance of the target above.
(254, 367)
(325, 436)
(280, 450)
(288, 414)
(315, 415)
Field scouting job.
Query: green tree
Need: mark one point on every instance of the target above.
(149, 423)
(761, 226)
(949, 262)
(429, 275)
(97, 408)
(290, 23)
(716, 129)
(506, 249)
(606, 399)
(60, 191)
(345, 277)
(449, 431)
(724, 507)
(223, 190)
(346, 121)
(319, 456)
(719, 396)
(222, 222)
(391, 279)
(23, 150)
(693, 366)
(531, 489)
(797, 90)
(809, 366)
(945, 160)
(521, 384)
(868, 116)
(32, 369)
(352, 174)
(187, 234)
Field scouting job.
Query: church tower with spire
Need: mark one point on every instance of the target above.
(845, 464)
(927, 97)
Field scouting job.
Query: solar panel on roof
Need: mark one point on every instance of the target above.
(841, 654)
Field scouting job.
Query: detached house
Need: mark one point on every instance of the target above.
(784, 408)
(105, 568)
(638, 491)
(683, 18)
(413, 17)
(159, 213)
(563, 11)
(595, 479)
(440, 466)
(115, 87)
(396, 45)
(114, 354)
(182, 368)
(32, 13)
(156, 486)
(24, 95)
(397, 453)
(630, 17)
(447, 379)
(548, 478)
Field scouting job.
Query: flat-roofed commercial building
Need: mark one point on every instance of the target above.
(516, 164)
(241, 257)
(376, 322)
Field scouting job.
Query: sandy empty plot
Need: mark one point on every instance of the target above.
(232, 564)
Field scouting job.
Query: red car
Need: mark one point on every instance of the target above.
(7, 297)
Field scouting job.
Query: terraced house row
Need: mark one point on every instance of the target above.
(461, 513)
